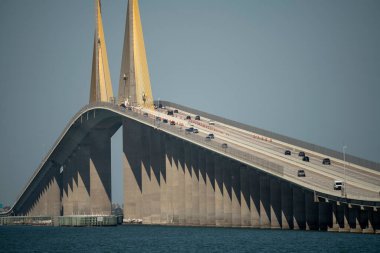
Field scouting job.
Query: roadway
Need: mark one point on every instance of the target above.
(362, 183)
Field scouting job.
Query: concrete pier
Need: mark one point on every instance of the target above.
(265, 201)
(286, 206)
(245, 212)
(275, 203)
(219, 205)
(299, 219)
(254, 189)
(227, 193)
(210, 189)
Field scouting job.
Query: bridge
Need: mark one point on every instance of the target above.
(175, 175)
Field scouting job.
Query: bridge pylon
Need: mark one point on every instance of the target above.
(101, 86)
(134, 81)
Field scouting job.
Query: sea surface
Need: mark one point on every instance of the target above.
(140, 238)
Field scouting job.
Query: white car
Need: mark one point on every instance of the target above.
(211, 123)
(338, 184)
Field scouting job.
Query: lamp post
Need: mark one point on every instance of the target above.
(344, 166)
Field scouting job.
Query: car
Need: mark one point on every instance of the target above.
(301, 153)
(188, 117)
(164, 121)
(301, 173)
(211, 123)
(158, 118)
(197, 117)
(122, 105)
(195, 131)
(306, 159)
(338, 184)
(287, 152)
(175, 111)
(145, 114)
(211, 136)
(224, 145)
(208, 138)
(189, 130)
(159, 105)
(172, 123)
(170, 113)
(326, 161)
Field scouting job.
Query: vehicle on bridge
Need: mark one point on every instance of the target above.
(306, 159)
(170, 113)
(338, 184)
(301, 153)
(326, 161)
(301, 173)
(287, 152)
(195, 131)
(188, 117)
(211, 136)
(197, 117)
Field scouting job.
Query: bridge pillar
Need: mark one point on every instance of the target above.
(132, 157)
(254, 188)
(195, 184)
(188, 185)
(354, 219)
(156, 163)
(367, 220)
(245, 197)
(219, 205)
(54, 193)
(265, 201)
(334, 218)
(311, 211)
(275, 203)
(67, 193)
(100, 172)
(146, 175)
(235, 204)
(167, 175)
(210, 188)
(202, 187)
(286, 206)
(324, 215)
(179, 183)
(376, 220)
(343, 217)
(298, 208)
(82, 178)
(227, 193)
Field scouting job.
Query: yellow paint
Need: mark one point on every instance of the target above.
(101, 86)
(143, 87)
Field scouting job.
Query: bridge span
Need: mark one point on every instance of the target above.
(173, 176)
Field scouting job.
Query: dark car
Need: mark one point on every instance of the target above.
(170, 113)
(287, 152)
(145, 114)
(188, 117)
(301, 153)
(208, 138)
(175, 111)
(195, 131)
(159, 105)
(190, 129)
(164, 121)
(305, 159)
(326, 161)
(224, 145)
(172, 123)
(158, 119)
(197, 117)
(211, 136)
(301, 173)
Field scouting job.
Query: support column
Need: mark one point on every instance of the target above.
(170, 167)
(254, 188)
(275, 203)
(227, 194)
(343, 218)
(353, 212)
(324, 216)
(83, 180)
(156, 168)
(244, 197)
(219, 214)
(164, 194)
(195, 184)
(210, 189)
(181, 182)
(100, 172)
(334, 218)
(298, 209)
(202, 187)
(146, 175)
(311, 211)
(235, 206)
(54, 193)
(188, 185)
(367, 216)
(286, 206)
(264, 201)
(132, 157)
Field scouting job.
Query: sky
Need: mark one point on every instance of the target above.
(302, 68)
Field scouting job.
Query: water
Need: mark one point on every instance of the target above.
(179, 239)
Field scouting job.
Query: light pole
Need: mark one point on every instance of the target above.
(344, 166)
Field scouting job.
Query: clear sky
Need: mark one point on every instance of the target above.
(302, 68)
